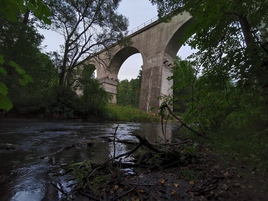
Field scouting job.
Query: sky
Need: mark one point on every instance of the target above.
(138, 12)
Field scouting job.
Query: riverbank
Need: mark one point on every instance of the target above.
(183, 170)
(209, 173)
(111, 112)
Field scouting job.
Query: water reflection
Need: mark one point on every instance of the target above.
(155, 133)
(24, 175)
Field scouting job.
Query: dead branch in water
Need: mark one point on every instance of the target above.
(142, 141)
(97, 181)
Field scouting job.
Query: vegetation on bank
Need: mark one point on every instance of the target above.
(128, 113)
(52, 75)
(223, 89)
(244, 146)
(233, 117)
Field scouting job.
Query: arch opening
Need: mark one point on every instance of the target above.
(119, 58)
(129, 81)
(131, 67)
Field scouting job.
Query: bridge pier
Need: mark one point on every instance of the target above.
(155, 85)
(110, 86)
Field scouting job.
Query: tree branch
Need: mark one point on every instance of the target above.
(164, 105)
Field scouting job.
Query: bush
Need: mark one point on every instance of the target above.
(127, 113)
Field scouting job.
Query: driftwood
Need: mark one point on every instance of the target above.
(109, 139)
(108, 174)
(142, 141)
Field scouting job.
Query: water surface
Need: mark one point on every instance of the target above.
(25, 143)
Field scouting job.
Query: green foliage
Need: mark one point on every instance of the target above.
(93, 98)
(28, 91)
(63, 106)
(231, 38)
(212, 100)
(128, 92)
(80, 170)
(232, 116)
(127, 113)
(9, 11)
(190, 150)
(5, 103)
(184, 76)
(85, 99)
(26, 78)
(77, 22)
(246, 144)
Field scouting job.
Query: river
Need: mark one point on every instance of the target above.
(26, 172)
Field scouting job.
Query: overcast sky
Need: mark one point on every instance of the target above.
(137, 12)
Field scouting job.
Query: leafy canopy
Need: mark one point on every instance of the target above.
(232, 42)
(231, 36)
(11, 9)
(87, 27)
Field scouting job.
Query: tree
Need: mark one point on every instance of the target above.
(92, 98)
(87, 26)
(128, 92)
(231, 36)
(12, 8)
(12, 11)
(210, 100)
(36, 97)
(232, 40)
(184, 77)
(123, 92)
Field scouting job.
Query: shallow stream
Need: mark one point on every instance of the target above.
(24, 144)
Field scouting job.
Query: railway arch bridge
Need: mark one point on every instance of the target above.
(158, 45)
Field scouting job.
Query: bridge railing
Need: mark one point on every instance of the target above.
(143, 25)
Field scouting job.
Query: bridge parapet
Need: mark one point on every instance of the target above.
(154, 19)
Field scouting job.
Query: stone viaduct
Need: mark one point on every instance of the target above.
(158, 45)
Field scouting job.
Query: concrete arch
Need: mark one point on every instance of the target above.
(120, 57)
(158, 44)
(174, 45)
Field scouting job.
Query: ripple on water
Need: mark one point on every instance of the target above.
(27, 173)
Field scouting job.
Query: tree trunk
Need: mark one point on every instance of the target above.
(259, 63)
(26, 17)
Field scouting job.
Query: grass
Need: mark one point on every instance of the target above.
(127, 113)
(245, 146)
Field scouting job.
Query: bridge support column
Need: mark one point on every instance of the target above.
(155, 83)
(110, 86)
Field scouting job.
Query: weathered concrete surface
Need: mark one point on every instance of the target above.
(158, 44)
